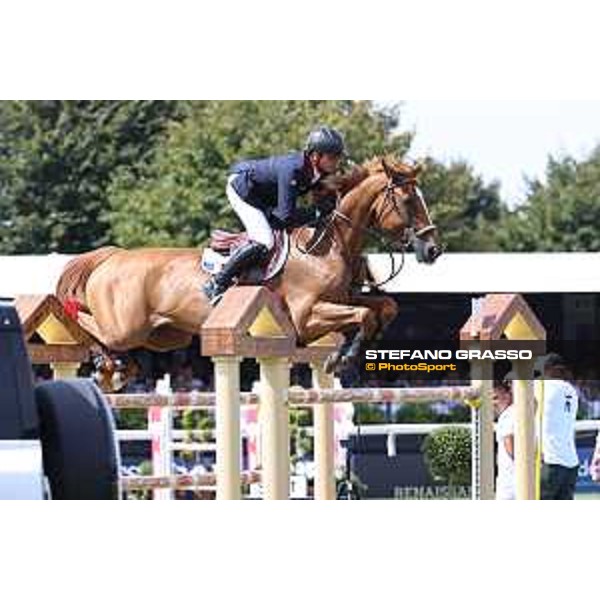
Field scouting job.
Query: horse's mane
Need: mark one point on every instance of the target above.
(397, 167)
(343, 183)
(72, 282)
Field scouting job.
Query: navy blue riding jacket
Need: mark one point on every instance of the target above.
(274, 184)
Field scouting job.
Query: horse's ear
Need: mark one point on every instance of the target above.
(386, 168)
(419, 167)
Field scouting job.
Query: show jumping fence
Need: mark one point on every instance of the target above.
(161, 405)
(249, 322)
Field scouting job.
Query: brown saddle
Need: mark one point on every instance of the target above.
(225, 241)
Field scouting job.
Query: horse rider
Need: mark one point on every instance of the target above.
(263, 193)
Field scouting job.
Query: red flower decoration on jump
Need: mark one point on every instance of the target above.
(72, 307)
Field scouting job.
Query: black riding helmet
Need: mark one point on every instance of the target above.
(325, 140)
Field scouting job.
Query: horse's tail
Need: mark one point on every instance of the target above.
(73, 280)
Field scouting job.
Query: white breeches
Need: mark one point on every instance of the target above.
(254, 220)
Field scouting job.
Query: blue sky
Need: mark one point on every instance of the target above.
(503, 140)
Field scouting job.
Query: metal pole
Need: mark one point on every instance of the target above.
(482, 413)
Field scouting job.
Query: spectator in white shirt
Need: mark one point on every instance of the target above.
(560, 463)
(505, 438)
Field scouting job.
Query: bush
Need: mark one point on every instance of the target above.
(196, 419)
(368, 414)
(416, 413)
(448, 455)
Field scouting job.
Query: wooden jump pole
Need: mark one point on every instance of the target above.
(250, 322)
(524, 430)
(494, 317)
(227, 388)
(323, 423)
(274, 419)
(64, 370)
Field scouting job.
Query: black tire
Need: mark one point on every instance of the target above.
(80, 450)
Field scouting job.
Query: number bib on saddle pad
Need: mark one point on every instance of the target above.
(223, 243)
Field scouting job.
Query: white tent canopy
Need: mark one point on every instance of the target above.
(492, 272)
(452, 273)
(30, 274)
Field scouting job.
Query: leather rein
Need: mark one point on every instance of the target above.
(394, 203)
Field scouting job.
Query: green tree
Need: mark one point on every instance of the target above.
(561, 215)
(181, 196)
(465, 209)
(75, 175)
(57, 159)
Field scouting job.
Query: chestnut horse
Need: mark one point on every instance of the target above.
(152, 298)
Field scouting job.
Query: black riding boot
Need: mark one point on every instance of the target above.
(241, 259)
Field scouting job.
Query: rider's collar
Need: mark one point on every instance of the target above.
(316, 174)
(311, 170)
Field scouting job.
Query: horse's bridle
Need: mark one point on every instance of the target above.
(409, 199)
(411, 236)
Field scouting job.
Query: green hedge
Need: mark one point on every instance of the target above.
(448, 455)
